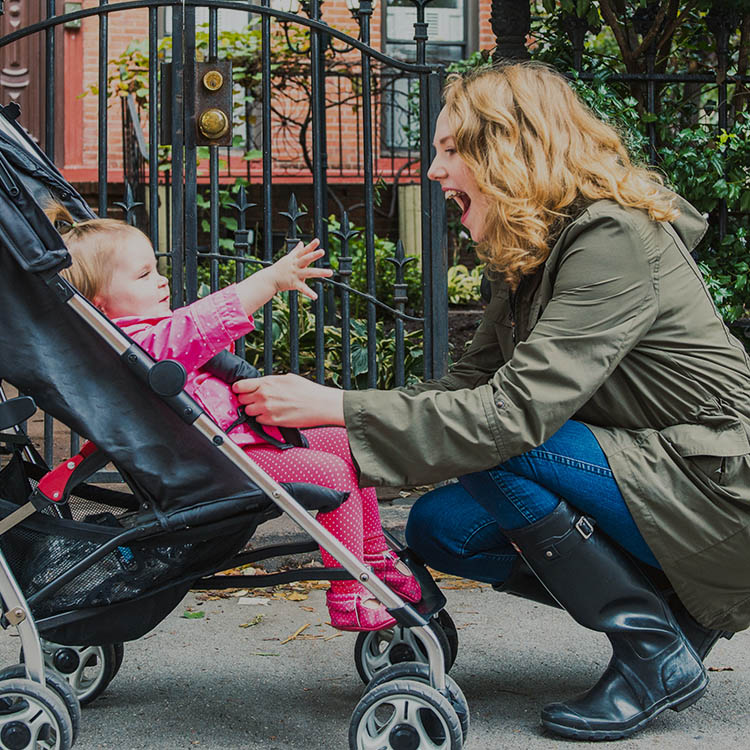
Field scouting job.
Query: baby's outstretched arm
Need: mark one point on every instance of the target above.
(288, 273)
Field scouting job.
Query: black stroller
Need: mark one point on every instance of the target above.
(83, 569)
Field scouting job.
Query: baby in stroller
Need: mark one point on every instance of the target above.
(114, 266)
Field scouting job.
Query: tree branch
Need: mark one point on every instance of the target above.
(618, 29)
(672, 25)
(650, 36)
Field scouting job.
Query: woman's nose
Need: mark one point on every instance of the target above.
(435, 172)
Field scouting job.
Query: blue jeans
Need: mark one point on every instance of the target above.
(458, 528)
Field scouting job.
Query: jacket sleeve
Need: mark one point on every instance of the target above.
(603, 300)
(478, 364)
(194, 333)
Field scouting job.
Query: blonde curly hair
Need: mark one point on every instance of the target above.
(540, 155)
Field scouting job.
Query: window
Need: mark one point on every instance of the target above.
(452, 29)
(447, 29)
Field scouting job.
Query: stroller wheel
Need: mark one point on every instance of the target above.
(404, 714)
(32, 716)
(120, 655)
(378, 649)
(451, 632)
(87, 669)
(420, 672)
(58, 684)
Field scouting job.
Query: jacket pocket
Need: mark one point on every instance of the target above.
(710, 447)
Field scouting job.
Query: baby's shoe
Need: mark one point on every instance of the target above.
(391, 569)
(358, 610)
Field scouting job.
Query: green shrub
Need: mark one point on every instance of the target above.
(385, 347)
(464, 285)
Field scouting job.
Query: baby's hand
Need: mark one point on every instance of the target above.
(291, 271)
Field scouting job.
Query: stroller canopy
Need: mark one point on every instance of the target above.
(49, 352)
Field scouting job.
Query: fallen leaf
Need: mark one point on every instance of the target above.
(721, 669)
(188, 615)
(241, 592)
(254, 621)
(242, 570)
(308, 609)
(404, 493)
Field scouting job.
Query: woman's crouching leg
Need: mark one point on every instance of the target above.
(452, 533)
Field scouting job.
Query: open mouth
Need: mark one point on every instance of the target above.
(461, 198)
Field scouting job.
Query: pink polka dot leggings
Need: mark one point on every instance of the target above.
(328, 463)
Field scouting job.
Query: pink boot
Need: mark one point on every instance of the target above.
(392, 570)
(358, 610)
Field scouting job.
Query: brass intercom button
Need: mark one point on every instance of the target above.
(213, 123)
(213, 80)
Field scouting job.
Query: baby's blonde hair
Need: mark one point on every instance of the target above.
(92, 244)
(540, 155)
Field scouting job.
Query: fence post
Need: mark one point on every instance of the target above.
(511, 22)
(576, 28)
(437, 313)
(722, 21)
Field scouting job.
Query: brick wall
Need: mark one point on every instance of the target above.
(82, 72)
(81, 152)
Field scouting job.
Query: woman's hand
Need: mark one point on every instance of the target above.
(290, 401)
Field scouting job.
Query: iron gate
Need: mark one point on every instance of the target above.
(182, 139)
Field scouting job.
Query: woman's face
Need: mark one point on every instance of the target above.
(456, 179)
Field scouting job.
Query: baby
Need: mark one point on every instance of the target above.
(115, 268)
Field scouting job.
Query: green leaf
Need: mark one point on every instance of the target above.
(189, 615)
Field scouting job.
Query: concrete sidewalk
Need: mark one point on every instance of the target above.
(219, 683)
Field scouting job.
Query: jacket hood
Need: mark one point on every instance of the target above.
(690, 224)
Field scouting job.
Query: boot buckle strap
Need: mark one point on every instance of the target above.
(584, 527)
(570, 539)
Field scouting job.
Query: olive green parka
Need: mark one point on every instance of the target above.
(617, 330)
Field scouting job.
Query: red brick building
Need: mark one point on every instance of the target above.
(456, 28)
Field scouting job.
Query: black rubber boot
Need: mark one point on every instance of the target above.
(653, 666)
(701, 639)
(524, 583)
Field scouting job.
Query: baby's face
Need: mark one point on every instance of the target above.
(136, 287)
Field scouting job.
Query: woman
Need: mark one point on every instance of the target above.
(601, 414)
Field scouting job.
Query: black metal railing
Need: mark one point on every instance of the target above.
(209, 228)
(652, 83)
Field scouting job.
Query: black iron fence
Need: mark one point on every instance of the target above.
(710, 92)
(211, 225)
